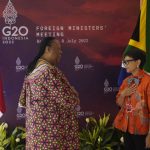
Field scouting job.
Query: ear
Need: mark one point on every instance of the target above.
(138, 62)
(47, 49)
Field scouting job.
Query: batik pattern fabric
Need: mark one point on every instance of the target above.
(51, 116)
(134, 115)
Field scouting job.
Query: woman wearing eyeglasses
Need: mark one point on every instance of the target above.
(134, 100)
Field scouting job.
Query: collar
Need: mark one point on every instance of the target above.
(136, 78)
(139, 75)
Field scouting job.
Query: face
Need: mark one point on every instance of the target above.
(131, 64)
(55, 52)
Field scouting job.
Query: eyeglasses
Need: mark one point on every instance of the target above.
(126, 62)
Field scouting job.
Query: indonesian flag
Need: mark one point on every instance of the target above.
(2, 104)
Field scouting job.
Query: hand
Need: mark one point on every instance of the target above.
(126, 92)
(129, 90)
(148, 141)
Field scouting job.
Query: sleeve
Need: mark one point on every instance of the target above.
(60, 89)
(148, 97)
(2, 103)
(122, 87)
(22, 98)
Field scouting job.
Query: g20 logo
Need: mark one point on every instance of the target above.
(108, 89)
(15, 31)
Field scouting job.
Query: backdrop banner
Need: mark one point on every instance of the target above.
(93, 35)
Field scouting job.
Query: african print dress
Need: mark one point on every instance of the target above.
(51, 117)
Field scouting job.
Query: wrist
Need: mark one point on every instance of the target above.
(122, 95)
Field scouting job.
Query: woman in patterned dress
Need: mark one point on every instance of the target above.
(50, 101)
(134, 100)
